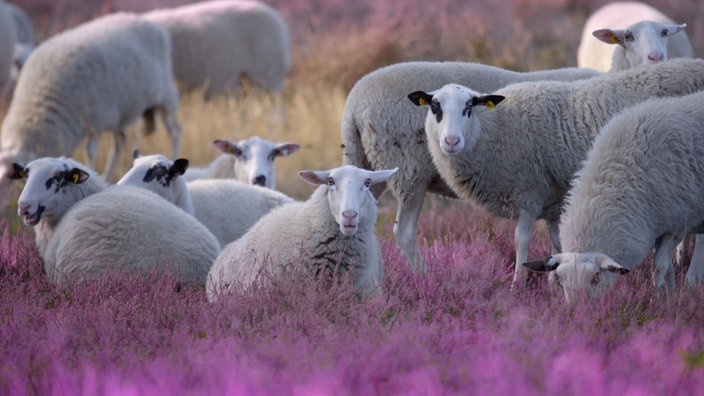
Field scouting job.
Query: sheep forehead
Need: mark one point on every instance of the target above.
(453, 93)
(255, 144)
(646, 26)
(349, 174)
(577, 268)
(46, 167)
(141, 165)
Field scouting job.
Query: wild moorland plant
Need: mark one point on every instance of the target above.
(457, 330)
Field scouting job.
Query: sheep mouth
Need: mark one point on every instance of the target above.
(33, 218)
(348, 229)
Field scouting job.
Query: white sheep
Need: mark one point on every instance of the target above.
(250, 161)
(517, 160)
(382, 130)
(84, 228)
(101, 75)
(640, 188)
(7, 48)
(332, 232)
(218, 42)
(227, 208)
(642, 35)
(24, 38)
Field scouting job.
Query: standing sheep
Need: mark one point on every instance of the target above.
(382, 130)
(84, 228)
(250, 161)
(642, 33)
(7, 48)
(102, 75)
(517, 160)
(227, 207)
(218, 42)
(640, 188)
(333, 232)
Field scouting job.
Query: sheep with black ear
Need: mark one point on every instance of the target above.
(85, 228)
(382, 130)
(250, 161)
(101, 75)
(622, 35)
(517, 160)
(640, 188)
(227, 207)
(333, 232)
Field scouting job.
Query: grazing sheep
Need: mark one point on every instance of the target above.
(382, 130)
(24, 38)
(84, 228)
(227, 207)
(218, 42)
(102, 75)
(333, 232)
(517, 161)
(250, 161)
(643, 34)
(640, 188)
(7, 48)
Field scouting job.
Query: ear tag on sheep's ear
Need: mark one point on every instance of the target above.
(613, 38)
(490, 105)
(76, 177)
(422, 101)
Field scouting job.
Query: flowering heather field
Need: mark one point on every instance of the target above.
(458, 330)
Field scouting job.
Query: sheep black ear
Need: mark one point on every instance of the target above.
(544, 265)
(420, 98)
(618, 270)
(178, 168)
(489, 101)
(77, 176)
(19, 171)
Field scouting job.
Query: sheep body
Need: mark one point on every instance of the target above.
(517, 160)
(382, 130)
(84, 228)
(217, 42)
(102, 75)
(24, 38)
(601, 56)
(333, 231)
(638, 189)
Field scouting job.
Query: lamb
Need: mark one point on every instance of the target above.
(640, 188)
(249, 161)
(7, 48)
(227, 208)
(644, 35)
(98, 76)
(517, 160)
(333, 231)
(378, 133)
(84, 228)
(217, 42)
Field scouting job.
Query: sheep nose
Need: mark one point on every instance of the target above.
(452, 141)
(349, 214)
(23, 208)
(655, 57)
(259, 180)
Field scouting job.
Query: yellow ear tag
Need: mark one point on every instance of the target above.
(422, 101)
(23, 174)
(613, 38)
(489, 105)
(229, 149)
(76, 177)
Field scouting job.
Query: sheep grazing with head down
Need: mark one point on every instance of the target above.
(333, 232)
(640, 188)
(227, 207)
(101, 75)
(641, 35)
(250, 161)
(517, 160)
(84, 228)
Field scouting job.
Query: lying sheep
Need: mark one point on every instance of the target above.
(102, 75)
(642, 33)
(84, 228)
(517, 160)
(218, 42)
(249, 161)
(382, 130)
(333, 232)
(227, 207)
(7, 48)
(640, 188)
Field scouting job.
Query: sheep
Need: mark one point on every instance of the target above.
(7, 48)
(227, 208)
(643, 34)
(333, 231)
(84, 227)
(381, 130)
(517, 160)
(24, 38)
(101, 75)
(250, 161)
(217, 42)
(640, 188)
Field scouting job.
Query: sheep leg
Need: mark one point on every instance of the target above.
(695, 273)
(117, 145)
(663, 270)
(405, 228)
(554, 230)
(521, 239)
(174, 130)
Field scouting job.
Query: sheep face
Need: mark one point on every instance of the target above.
(349, 198)
(155, 173)
(449, 120)
(254, 158)
(49, 190)
(644, 42)
(578, 273)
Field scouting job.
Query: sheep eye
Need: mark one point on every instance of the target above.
(331, 181)
(664, 33)
(367, 182)
(628, 36)
(595, 280)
